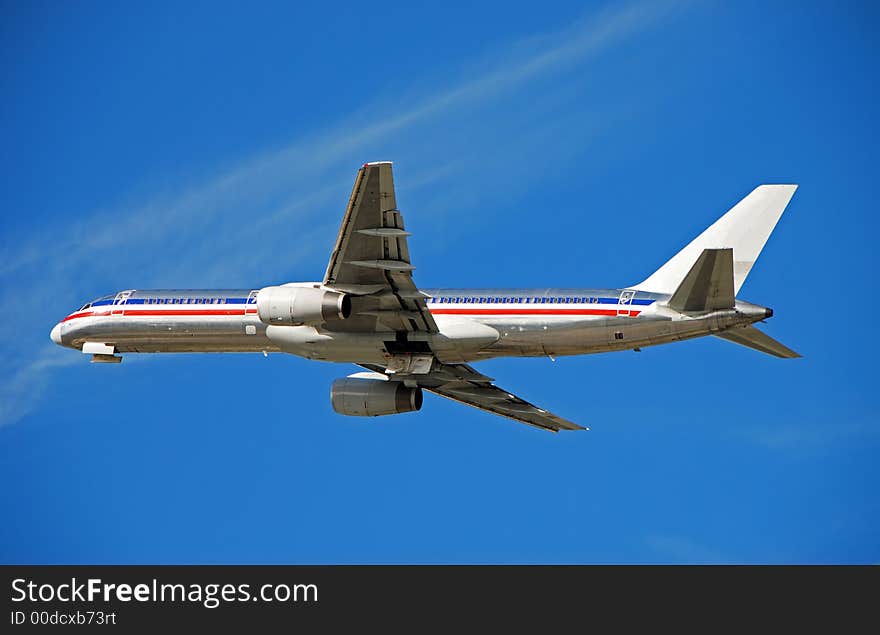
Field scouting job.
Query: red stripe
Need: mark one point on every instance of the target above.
(161, 312)
(612, 312)
(607, 312)
(186, 312)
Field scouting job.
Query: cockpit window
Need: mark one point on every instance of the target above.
(84, 307)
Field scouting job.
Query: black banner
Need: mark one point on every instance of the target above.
(135, 597)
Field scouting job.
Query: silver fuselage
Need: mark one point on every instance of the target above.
(474, 324)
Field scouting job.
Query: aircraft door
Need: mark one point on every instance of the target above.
(624, 303)
(118, 307)
(250, 305)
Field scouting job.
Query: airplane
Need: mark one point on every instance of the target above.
(368, 311)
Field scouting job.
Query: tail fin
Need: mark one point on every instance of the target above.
(753, 338)
(745, 229)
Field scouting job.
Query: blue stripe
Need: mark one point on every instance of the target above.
(637, 302)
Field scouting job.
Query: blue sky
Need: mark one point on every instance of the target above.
(580, 145)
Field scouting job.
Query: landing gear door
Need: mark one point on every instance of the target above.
(624, 303)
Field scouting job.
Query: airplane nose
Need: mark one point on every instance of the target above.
(55, 335)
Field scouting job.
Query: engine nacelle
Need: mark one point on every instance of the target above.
(357, 397)
(301, 305)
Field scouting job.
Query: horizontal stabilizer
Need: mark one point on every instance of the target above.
(753, 338)
(708, 286)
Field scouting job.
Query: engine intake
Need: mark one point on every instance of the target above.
(357, 397)
(301, 305)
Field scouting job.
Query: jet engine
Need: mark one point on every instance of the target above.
(301, 305)
(358, 397)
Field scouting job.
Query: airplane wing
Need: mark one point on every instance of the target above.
(371, 259)
(464, 384)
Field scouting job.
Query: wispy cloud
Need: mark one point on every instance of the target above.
(677, 549)
(809, 436)
(18, 392)
(266, 199)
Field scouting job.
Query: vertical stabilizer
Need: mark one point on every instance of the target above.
(745, 229)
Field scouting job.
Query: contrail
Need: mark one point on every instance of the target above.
(208, 227)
